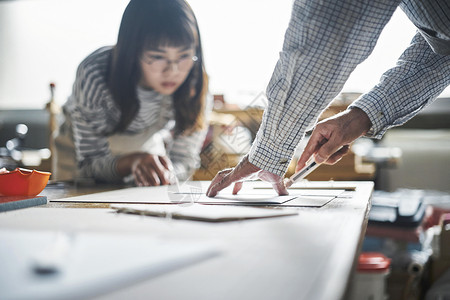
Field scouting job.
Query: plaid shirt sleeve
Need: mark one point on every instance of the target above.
(418, 78)
(324, 42)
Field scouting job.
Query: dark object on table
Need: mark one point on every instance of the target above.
(402, 208)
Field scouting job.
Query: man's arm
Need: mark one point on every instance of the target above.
(325, 41)
(418, 78)
(323, 44)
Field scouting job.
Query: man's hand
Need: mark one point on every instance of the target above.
(331, 138)
(244, 171)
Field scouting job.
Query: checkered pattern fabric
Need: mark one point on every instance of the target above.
(324, 42)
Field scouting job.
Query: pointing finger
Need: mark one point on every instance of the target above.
(237, 187)
(219, 183)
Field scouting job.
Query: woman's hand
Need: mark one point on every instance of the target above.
(147, 169)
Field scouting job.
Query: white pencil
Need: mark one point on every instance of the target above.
(302, 173)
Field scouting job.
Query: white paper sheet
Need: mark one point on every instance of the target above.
(194, 192)
(206, 213)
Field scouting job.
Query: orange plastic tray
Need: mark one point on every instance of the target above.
(23, 182)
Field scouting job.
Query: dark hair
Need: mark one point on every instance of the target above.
(146, 24)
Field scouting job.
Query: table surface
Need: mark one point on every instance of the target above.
(307, 256)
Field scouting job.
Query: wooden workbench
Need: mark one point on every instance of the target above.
(307, 256)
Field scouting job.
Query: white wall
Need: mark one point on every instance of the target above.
(424, 163)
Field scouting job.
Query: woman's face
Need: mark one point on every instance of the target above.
(164, 69)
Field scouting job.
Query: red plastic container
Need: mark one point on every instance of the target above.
(369, 281)
(23, 182)
(373, 262)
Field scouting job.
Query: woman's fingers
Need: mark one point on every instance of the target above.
(168, 169)
(152, 170)
(146, 177)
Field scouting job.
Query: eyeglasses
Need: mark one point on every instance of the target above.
(159, 63)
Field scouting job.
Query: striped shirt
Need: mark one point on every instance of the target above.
(324, 42)
(93, 115)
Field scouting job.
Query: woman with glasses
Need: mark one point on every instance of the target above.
(138, 109)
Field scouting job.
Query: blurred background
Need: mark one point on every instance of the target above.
(43, 41)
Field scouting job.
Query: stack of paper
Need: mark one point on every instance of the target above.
(189, 194)
(207, 213)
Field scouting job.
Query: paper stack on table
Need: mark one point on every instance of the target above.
(194, 192)
(206, 213)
